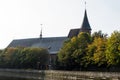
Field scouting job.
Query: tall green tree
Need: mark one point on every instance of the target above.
(80, 52)
(99, 56)
(113, 49)
(74, 50)
(96, 53)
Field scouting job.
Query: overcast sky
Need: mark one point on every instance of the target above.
(21, 19)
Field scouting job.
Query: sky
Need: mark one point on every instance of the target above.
(21, 19)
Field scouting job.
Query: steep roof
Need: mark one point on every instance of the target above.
(85, 25)
(53, 44)
(73, 32)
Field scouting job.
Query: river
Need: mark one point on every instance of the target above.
(11, 78)
(13, 74)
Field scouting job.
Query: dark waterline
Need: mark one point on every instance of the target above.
(11, 78)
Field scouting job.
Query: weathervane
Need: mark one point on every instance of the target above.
(85, 4)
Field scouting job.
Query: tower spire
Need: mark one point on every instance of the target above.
(41, 31)
(85, 27)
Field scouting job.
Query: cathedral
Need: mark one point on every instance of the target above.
(52, 44)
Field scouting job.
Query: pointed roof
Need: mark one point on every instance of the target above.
(85, 24)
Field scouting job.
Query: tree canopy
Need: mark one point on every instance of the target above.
(85, 51)
(74, 50)
(113, 49)
(23, 57)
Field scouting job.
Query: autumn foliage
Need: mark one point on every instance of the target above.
(94, 51)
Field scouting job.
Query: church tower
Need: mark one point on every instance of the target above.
(85, 27)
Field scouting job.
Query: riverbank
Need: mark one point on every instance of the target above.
(58, 75)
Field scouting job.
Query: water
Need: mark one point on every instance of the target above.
(11, 78)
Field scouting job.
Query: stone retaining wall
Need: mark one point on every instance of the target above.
(58, 75)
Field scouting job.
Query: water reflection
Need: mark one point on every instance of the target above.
(11, 78)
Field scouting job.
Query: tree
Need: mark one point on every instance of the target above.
(99, 34)
(95, 53)
(29, 57)
(113, 49)
(82, 43)
(64, 55)
(99, 56)
(8, 56)
(24, 57)
(73, 51)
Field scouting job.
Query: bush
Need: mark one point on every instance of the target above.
(23, 57)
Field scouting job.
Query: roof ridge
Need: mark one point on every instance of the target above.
(42, 38)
